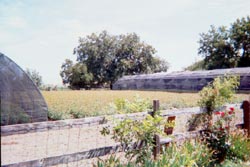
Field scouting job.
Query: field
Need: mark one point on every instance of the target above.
(100, 102)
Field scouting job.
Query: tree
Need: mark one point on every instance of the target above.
(217, 49)
(34, 76)
(226, 48)
(240, 35)
(198, 65)
(160, 65)
(76, 75)
(104, 58)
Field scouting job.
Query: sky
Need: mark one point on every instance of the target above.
(41, 34)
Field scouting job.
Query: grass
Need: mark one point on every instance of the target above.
(97, 102)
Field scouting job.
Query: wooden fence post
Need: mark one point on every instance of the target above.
(157, 147)
(156, 107)
(246, 116)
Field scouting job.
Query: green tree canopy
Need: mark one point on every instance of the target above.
(198, 65)
(35, 77)
(103, 58)
(226, 48)
(76, 75)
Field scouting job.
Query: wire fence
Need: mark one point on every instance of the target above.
(72, 142)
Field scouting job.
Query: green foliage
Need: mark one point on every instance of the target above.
(35, 77)
(215, 145)
(138, 104)
(226, 48)
(217, 93)
(217, 129)
(215, 46)
(103, 58)
(240, 36)
(190, 153)
(13, 114)
(159, 65)
(141, 132)
(112, 161)
(120, 104)
(128, 131)
(76, 75)
(218, 141)
(72, 113)
(240, 149)
(54, 115)
(199, 65)
(77, 113)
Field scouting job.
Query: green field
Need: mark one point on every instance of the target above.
(100, 102)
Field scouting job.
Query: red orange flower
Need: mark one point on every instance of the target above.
(231, 110)
(217, 113)
(221, 113)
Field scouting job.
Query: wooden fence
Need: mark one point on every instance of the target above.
(66, 158)
(158, 141)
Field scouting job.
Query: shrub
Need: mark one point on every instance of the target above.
(217, 133)
(240, 147)
(112, 161)
(217, 93)
(138, 104)
(128, 131)
(190, 153)
(213, 97)
(77, 113)
(217, 127)
(55, 115)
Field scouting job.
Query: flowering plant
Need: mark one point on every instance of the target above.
(223, 119)
(217, 124)
(214, 95)
(217, 137)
